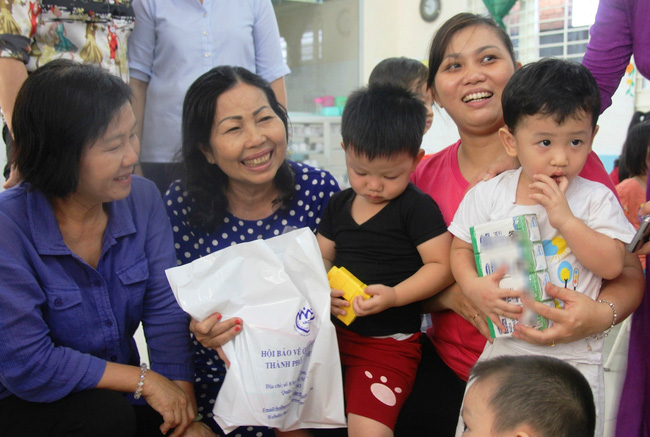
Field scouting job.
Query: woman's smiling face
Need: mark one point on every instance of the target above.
(248, 140)
(468, 84)
(106, 166)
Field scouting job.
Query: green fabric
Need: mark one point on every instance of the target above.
(499, 9)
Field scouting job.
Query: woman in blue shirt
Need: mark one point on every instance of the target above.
(237, 186)
(83, 250)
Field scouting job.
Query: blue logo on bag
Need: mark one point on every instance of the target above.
(303, 320)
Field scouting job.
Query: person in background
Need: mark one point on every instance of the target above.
(620, 173)
(471, 60)
(237, 186)
(388, 234)
(83, 255)
(172, 44)
(632, 190)
(409, 74)
(32, 33)
(619, 32)
(412, 75)
(550, 109)
(526, 396)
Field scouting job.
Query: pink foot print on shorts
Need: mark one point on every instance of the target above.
(382, 392)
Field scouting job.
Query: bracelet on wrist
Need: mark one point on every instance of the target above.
(614, 319)
(143, 372)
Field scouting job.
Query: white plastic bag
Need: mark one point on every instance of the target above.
(284, 366)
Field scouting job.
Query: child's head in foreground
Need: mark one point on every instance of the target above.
(550, 109)
(382, 128)
(528, 396)
(409, 74)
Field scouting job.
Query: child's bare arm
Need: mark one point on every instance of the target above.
(596, 251)
(483, 292)
(599, 253)
(432, 277)
(328, 252)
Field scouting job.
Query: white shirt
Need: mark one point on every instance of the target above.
(175, 41)
(591, 202)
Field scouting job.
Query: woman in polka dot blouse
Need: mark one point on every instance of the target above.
(237, 187)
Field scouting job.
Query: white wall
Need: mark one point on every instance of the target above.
(334, 68)
(614, 121)
(390, 30)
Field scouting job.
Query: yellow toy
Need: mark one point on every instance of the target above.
(342, 279)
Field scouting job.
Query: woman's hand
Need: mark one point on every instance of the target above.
(484, 293)
(498, 166)
(453, 299)
(170, 401)
(198, 429)
(580, 318)
(213, 333)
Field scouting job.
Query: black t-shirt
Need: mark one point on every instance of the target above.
(383, 250)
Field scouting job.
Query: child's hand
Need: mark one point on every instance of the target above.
(550, 194)
(487, 297)
(382, 298)
(338, 305)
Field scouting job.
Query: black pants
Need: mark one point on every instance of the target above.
(91, 413)
(433, 406)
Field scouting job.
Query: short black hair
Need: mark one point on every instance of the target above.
(546, 393)
(62, 108)
(383, 121)
(623, 173)
(635, 151)
(638, 117)
(402, 71)
(550, 87)
(206, 183)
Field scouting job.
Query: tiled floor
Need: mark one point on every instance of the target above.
(615, 376)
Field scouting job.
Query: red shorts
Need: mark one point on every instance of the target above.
(378, 374)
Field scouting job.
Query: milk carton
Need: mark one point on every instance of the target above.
(516, 243)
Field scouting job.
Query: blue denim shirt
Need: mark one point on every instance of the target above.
(61, 320)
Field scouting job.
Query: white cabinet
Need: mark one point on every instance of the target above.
(316, 140)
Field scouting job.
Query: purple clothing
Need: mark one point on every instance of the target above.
(61, 320)
(634, 409)
(620, 31)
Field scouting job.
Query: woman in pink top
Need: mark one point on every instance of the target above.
(470, 62)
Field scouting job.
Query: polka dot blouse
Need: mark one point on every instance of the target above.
(313, 187)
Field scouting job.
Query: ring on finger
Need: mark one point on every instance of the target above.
(553, 343)
(475, 316)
